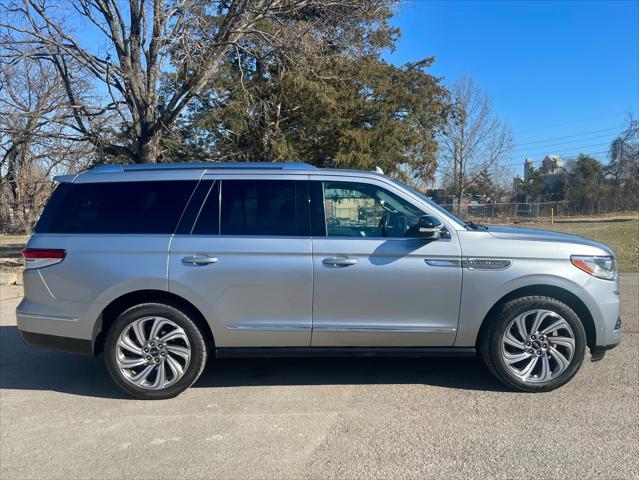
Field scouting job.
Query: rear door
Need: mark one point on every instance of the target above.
(374, 285)
(243, 254)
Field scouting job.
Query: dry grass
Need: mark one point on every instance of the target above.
(620, 234)
(11, 247)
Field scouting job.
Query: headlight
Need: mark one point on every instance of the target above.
(600, 267)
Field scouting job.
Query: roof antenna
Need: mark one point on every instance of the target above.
(378, 170)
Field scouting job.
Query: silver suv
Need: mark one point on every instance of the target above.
(161, 266)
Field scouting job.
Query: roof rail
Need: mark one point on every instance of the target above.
(202, 166)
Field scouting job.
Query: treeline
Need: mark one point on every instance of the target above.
(592, 186)
(229, 80)
(177, 80)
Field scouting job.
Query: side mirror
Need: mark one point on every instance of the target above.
(429, 228)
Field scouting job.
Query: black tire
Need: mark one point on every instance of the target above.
(490, 342)
(198, 346)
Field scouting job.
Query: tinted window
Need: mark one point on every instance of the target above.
(208, 216)
(264, 207)
(113, 208)
(364, 210)
(318, 221)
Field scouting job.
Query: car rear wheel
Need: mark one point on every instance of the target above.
(155, 351)
(535, 344)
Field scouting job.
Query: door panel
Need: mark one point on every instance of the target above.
(254, 280)
(373, 291)
(257, 293)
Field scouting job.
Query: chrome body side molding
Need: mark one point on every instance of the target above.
(266, 327)
(342, 328)
(393, 329)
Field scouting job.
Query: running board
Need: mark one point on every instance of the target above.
(284, 352)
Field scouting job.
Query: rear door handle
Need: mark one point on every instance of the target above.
(339, 261)
(199, 260)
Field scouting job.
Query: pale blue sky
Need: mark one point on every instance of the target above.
(563, 74)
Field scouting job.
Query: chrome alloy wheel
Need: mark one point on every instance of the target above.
(153, 352)
(538, 346)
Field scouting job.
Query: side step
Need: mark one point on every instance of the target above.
(296, 352)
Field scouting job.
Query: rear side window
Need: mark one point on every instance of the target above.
(207, 221)
(116, 208)
(264, 207)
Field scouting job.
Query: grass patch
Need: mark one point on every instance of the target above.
(11, 247)
(620, 235)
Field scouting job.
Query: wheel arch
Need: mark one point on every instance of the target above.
(111, 312)
(558, 293)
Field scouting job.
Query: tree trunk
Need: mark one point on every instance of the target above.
(149, 149)
(460, 188)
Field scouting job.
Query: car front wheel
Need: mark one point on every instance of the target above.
(154, 351)
(535, 344)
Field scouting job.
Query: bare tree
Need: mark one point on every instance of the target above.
(35, 142)
(473, 141)
(622, 171)
(157, 55)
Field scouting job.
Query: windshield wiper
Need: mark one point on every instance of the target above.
(476, 226)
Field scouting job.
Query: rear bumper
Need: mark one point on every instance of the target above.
(60, 344)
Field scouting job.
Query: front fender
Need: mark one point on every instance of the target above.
(482, 289)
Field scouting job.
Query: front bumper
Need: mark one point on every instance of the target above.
(599, 351)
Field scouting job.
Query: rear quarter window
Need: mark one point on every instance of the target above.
(116, 208)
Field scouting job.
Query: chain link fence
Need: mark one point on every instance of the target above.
(525, 211)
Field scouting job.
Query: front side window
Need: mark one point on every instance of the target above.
(362, 210)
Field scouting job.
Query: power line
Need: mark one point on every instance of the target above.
(551, 145)
(585, 120)
(559, 151)
(570, 136)
(557, 147)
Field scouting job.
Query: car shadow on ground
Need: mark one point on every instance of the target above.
(26, 368)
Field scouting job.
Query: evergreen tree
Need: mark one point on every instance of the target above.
(359, 112)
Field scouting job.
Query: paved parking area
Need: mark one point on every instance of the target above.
(60, 417)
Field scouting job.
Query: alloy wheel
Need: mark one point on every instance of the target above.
(153, 352)
(538, 346)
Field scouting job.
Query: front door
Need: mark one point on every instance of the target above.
(373, 285)
(246, 261)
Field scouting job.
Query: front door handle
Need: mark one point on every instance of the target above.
(339, 261)
(199, 260)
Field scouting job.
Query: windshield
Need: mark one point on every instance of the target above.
(432, 204)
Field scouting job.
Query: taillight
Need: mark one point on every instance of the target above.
(42, 257)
